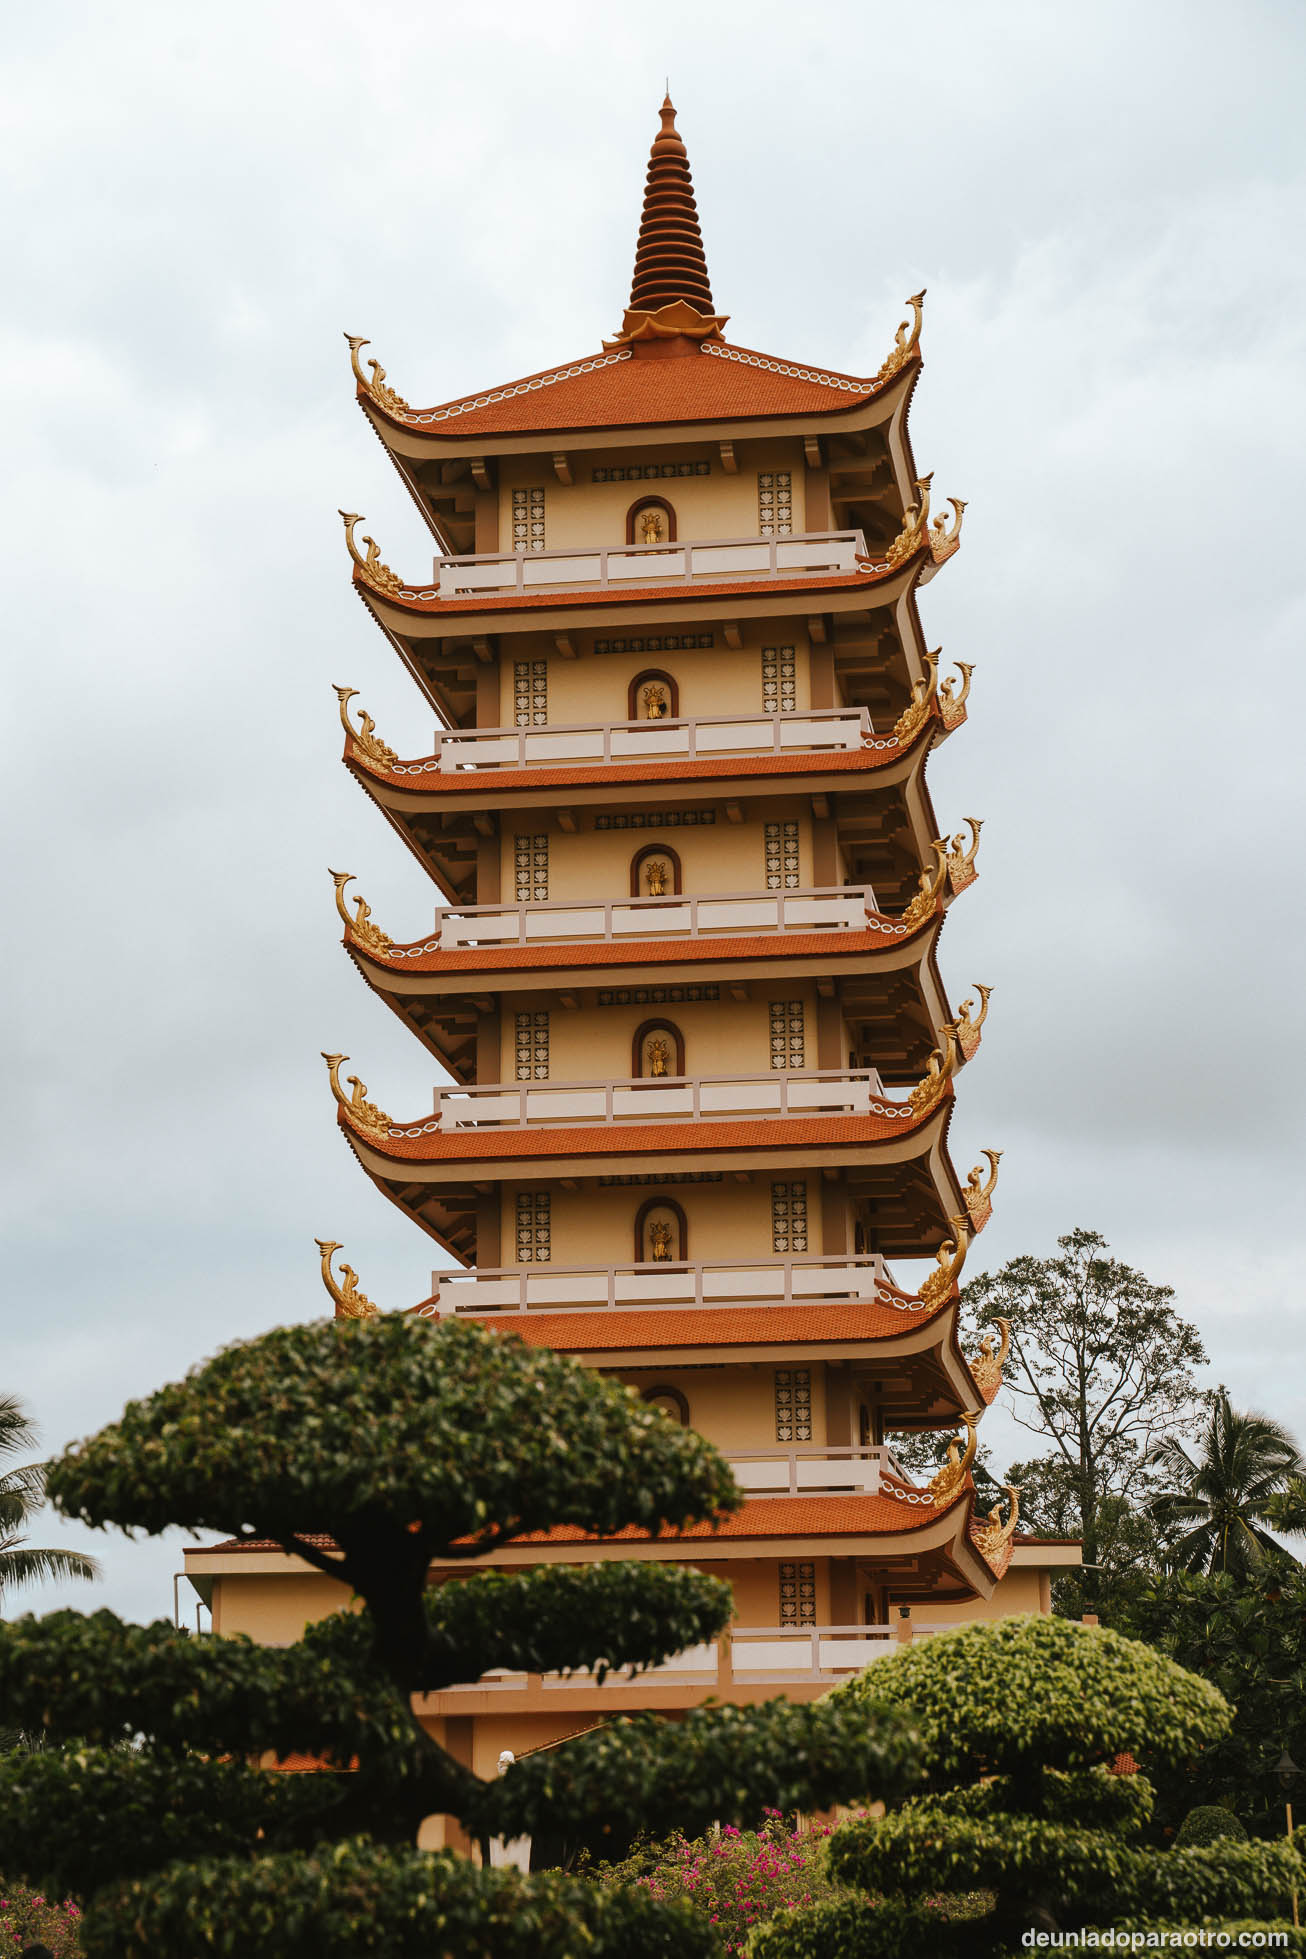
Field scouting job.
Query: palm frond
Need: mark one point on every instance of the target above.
(17, 1429)
(28, 1564)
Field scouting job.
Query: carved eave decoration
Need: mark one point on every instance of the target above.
(350, 1303)
(949, 1259)
(992, 1539)
(363, 740)
(961, 855)
(374, 386)
(359, 929)
(948, 1481)
(968, 1027)
(361, 1115)
(906, 341)
(986, 1368)
(929, 894)
(978, 1193)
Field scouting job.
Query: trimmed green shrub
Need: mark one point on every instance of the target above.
(1207, 1824)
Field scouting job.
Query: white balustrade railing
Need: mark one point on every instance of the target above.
(835, 908)
(660, 1285)
(786, 1652)
(818, 1466)
(650, 564)
(792, 732)
(519, 1105)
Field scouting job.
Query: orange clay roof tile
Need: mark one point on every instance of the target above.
(426, 600)
(731, 1326)
(639, 952)
(452, 782)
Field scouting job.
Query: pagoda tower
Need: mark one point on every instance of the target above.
(698, 1062)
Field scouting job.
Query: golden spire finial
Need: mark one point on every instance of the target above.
(923, 696)
(914, 519)
(968, 1030)
(670, 294)
(383, 395)
(950, 1258)
(953, 708)
(362, 1114)
(986, 1368)
(961, 858)
(938, 1071)
(978, 1194)
(351, 1304)
(369, 937)
(929, 888)
(904, 340)
(371, 570)
(364, 737)
(993, 1536)
(947, 1481)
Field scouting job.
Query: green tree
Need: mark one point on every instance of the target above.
(402, 1444)
(22, 1493)
(1217, 1502)
(1101, 1368)
(1248, 1637)
(1022, 1720)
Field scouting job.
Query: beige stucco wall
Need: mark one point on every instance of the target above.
(1022, 1590)
(591, 514)
(274, 1608)
(719, 857)
(596, 1226)
(734, 1407)
(710, 680)
(722, 1037)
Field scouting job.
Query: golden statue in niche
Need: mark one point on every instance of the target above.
(651, 526)
(657, 1056)
(660, 1234)
(657, 703)
(655, 877)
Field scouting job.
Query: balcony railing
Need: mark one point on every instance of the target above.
(815, 1467)
(801, 1277)
(715, 559)
(824, 1091)
(780, 1653)
(553, 921)
(794, 732)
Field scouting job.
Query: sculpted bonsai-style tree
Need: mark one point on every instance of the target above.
(373, 1449)
(1022, 1722)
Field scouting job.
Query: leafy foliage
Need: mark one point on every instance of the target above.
(22, 1492)
(353, 1897)
(1218, 1502)
(1021, 1720)
(1207, 1824)
(472, 1441)
(1248, 1637)
(29, 1918)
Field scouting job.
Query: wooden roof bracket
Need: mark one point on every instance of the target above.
(729, 462)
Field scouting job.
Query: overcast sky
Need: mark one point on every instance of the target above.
(1106, 204)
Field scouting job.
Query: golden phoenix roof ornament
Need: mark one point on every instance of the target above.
(943, 542)
(952, 708)
(364, 737)
(383, 395)
(378, 576)
(968, 1030)
(961, 858)
(978, 1194)
(993, 1537)
(951, 1256)
(924, 693)
(946, 1481)
(986, 1368)
(914, 519)
(360, 927)
(363, 1115)
(351, 1304)
(905, 340)
(938, 1071)
(929, 888)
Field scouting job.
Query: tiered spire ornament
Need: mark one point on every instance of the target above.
(384, 396)
(364, 736)
(351, 1304)
(360, 927)
(670, 295)
(374, 573)
(945, 1483)
(905, 341)
(968, 1030)
(951, 1256)
(986, 1368)
(364, 1116)
(978, 1194)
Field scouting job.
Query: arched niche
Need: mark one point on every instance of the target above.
(670, 1400)
(650, 520)
(658, 1048)
(661, 1233)
(652, 696)
(655, 872)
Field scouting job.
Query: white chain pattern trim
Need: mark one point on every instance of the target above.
(883, 1298)
(921, 1498)
(783, 367)
(428, 415)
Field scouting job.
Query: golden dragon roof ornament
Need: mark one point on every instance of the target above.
(943, 542)
(905, 340)
(952, 708)
(362, 1114)
(978, 1194)
(986, 1368)
(383, 395)
(938, 1072)
(968, 1030)
(993, 1537)
(914, 519)
(929, 888)
(924, 694)
(950, 1257)
(947, 1480)
(961, 858)
(360, 927)
(373, 572)
(351, 1304)
(364, 737)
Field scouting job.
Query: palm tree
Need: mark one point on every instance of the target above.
(22, 1492)
(1221, 1501)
